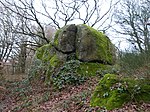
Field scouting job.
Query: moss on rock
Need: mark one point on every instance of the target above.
(56, 37)
(91, 69)
(47, 53)
(93, 45)
(112, 92)
(89, 44)
(54, 61)
(49, 59)
(76, 43)
(43, 53)
(65, 37)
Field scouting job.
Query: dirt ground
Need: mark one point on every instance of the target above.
(36, 97)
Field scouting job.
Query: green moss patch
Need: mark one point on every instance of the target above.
(43, 53)
(56, 37)
(103, 44)
(113, 92)
(93, 45)
(47, 54)
(75, 72)
(91, 69)
(49, 61)
(54, 61)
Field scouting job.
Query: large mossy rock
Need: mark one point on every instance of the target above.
(64, 72)
(113, 92)
(91, 50)
(88, 44)
(65, 38)
(93, 45)
(50, 56)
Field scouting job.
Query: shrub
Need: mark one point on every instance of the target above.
(68, 75)
(38, 70)
(131, 62)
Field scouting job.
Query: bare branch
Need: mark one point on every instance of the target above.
(132, 18)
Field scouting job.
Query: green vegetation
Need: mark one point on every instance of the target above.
(55, 61)
(96, 69)
(104, 45)
(36, 70)
(68, 75)
(96, 40)
(58, 72)
(90, 69)
(43, 53)
(56, 37)
(47, 54)
(74, 72)
(135, 64)
(113, 91)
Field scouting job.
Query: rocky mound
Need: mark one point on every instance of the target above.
(77, 50)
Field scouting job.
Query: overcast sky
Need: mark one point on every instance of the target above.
(104, 7)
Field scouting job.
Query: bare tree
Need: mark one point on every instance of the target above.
(7, 38)
(25, 13)
(132, 17)
(11, 46)
(31, 22)
(60, 13)
(82, 11)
